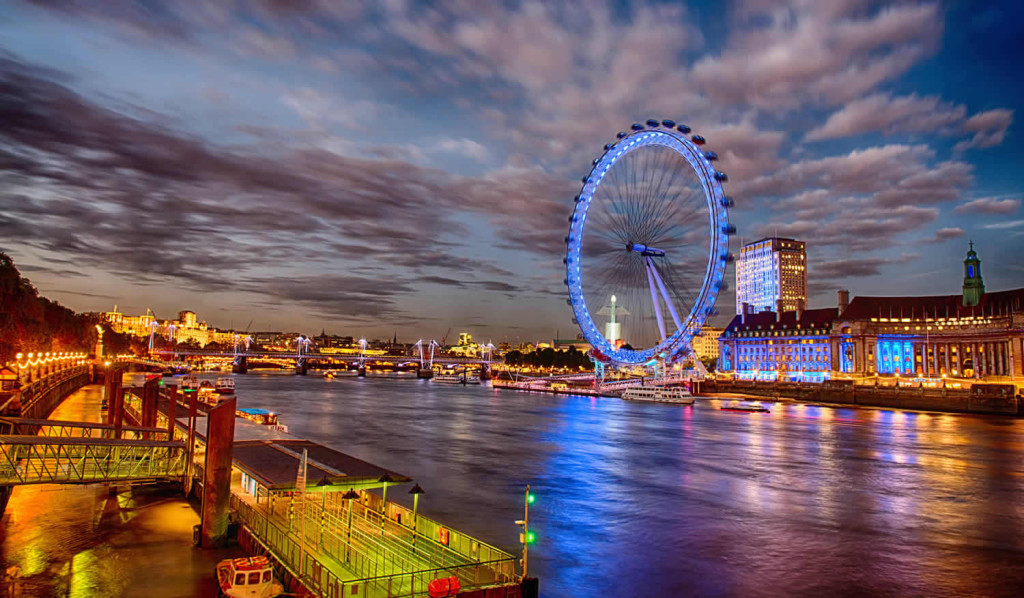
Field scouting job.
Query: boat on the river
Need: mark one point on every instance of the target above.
(264, 417)
(225, 385)
(462, 378)
(750, 407)
(189, 382)
(659, 394)
(247, 577)
(329, 375)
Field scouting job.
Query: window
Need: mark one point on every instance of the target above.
(254, 577)
(266, 576)
(239, 579)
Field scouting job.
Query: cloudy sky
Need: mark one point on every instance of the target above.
(366, 167)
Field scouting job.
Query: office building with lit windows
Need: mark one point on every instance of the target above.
(769, 271)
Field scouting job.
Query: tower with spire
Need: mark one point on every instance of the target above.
(974, 286)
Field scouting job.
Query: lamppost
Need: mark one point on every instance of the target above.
(416, 492)
(349, 497)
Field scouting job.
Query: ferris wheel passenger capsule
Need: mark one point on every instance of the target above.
(698, 140)
(653, 124)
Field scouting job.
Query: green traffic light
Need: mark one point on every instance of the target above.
(530, 537)
(530, 498)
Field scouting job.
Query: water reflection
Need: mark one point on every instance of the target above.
(656, 500)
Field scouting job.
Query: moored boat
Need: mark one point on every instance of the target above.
(329, 375)
(659, 394)
(264, 417)
(225, 385)
(189, 382)
(247, 577)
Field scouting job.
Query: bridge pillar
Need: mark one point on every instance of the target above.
(301, 367)
(240, 365)
(361, 371)
(485, 371)
(424, 373)
(220, 436)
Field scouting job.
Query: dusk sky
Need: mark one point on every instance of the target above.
(367, 167)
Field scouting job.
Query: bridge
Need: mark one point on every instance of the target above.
(329, 357)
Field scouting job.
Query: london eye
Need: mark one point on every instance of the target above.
(648, 243)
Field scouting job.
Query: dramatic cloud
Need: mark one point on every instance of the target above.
(989, 129)
(817, 51)
(887, 114)
(989, 205)
(945, 234)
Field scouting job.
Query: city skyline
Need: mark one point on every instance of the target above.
(340, 168)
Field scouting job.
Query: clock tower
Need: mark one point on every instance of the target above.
(974, 287)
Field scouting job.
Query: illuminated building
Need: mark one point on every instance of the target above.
(187, 319)
(705, 344)
(788, 346)
(974, 334)
(769, 271)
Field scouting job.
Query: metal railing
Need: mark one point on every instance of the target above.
(333, 558)
(49, 460)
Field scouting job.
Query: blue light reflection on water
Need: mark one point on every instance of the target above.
(656, 500)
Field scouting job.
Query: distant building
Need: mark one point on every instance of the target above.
(187, 319)
(565, 343)
(705, 344)
(769, 271)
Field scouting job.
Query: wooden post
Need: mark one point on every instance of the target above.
(193, 408)
(118, 409)
(172, 403)
(220, 435)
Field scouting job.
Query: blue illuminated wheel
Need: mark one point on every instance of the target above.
(648, 244)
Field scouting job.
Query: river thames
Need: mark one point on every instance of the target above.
(656, 500)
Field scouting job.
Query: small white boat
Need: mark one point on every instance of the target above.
(225, 385)
(249, 577)
(659, 394)
(189, 382)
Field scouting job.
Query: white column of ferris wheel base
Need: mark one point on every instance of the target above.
(653, 278)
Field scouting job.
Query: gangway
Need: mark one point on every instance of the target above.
(62, 460)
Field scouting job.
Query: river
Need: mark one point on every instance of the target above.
(657, 500)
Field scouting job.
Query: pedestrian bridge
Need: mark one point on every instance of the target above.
(54, 460)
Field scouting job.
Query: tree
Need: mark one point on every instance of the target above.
(30, 323)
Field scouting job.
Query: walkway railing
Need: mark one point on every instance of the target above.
(48, 460)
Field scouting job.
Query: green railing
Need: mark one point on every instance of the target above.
(47, 460)
(362, 559)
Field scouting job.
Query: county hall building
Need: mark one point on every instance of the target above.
(975, 334)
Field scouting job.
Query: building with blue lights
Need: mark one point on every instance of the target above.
(974, 334)
(787, 346)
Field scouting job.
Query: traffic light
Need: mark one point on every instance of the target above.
(530, 498)
(530, 537)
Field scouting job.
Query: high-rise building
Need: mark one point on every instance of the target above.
(769, 271)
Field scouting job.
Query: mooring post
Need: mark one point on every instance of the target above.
(220, 436)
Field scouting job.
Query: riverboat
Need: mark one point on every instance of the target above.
(659, 394)
(329, 375)
(462, 378)
(247, 577)
(264, 417)
(225, 385)
(189, 382)
(749, 407)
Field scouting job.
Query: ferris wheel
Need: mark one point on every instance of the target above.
(648, 242)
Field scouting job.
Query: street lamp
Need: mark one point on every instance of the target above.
(416, 492)
(349, 496)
